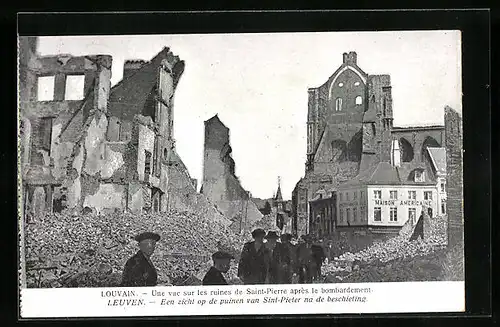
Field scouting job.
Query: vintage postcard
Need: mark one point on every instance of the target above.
(240, 174)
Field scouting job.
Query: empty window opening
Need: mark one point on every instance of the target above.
(341, 84)
(356, 84)
(147, 163)
(359, 100)
(45, 88)
(338, 104)
(74, 87)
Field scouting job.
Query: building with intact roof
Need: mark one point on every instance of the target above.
(350, 130)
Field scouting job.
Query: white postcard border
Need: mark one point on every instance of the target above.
(399, 297)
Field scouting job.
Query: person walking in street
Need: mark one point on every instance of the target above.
(254, 260)
(289, 269)
(139, 270)
(319, 257)
(305, 260)
(221, 264)
(279, 259)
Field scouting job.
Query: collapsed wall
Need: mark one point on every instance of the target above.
(220, 184)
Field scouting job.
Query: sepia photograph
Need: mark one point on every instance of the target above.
(240, 159)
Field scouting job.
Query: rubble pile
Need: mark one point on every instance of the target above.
(419, 268)
(67, 250)
(398, 250)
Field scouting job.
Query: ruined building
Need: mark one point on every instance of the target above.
(87, 145)
(220, 183)
(454, 177)
(349, 130)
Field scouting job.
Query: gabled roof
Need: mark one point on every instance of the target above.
(133, 91)
(438, 159)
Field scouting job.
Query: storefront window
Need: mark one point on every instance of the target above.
(377, 214)
(377, 194)
(393, 214)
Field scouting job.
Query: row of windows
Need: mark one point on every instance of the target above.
(338, 102)
(393, 214)
(377, 194)
(393, 195)
(351, 214)
(354, 195)
(73, 91)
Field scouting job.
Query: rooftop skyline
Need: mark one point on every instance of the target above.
(257, 84)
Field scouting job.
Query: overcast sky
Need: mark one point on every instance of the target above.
(257, 83)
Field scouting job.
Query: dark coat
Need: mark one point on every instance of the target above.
(279, 272)
(139, 271)
(214, 277)
(253, 265)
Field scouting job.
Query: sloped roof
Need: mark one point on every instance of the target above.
(438, 159)
(385, 174)
(134, 90)
(278, 196)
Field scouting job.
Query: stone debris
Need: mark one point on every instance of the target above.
(398, 251)
(91, 251)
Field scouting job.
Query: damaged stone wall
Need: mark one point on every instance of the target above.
(454, 178)
(220, 184)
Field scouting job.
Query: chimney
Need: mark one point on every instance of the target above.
(395, 154)
(350, 58)
(131, 66)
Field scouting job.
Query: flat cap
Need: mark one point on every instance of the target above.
(147, 236)
(222, 255)
(258, 232)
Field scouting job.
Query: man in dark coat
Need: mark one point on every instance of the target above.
(253, 265)
(318, 255)
(306, 264)
(290, 268)
(222, 263)
(139, 270)
(278, 260)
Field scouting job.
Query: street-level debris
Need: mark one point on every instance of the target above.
(395, 256)
(91, 250)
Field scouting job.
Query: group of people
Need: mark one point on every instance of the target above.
(268, 259)
(265, 260)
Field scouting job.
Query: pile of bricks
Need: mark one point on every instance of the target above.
(91, 250)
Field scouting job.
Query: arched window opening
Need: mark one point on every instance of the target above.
(406, 150)
(429, 142)
(338, 104)
(359, 100)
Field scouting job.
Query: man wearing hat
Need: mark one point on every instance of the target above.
(290, 269)
(222, 261)
(305, 260)
(279, 259)
(139, 270)
(253, 265)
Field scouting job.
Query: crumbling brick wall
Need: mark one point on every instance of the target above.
(454, 178)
